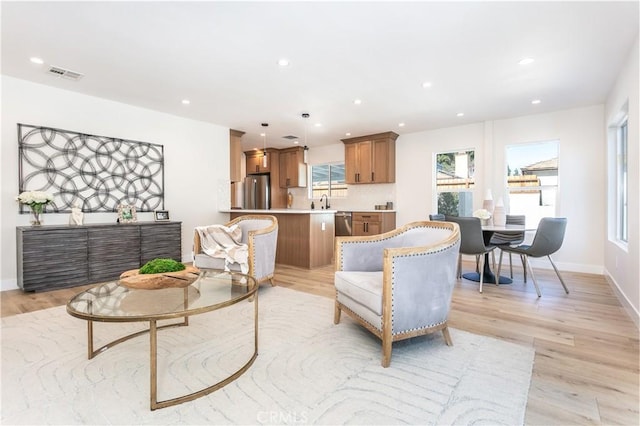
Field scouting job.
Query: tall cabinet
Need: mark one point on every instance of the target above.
(235, 155)
(371, 158)
(293, 170)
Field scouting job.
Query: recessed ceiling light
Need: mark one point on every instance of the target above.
(36, 60)
(283, 62)
(460, 114)
(318, 124)
(348, 134)
(263, 134)
(357, 101)
(535, 101)
(296, 142)
(186, 101)
(525, 61)
(426, 84)
(400, 124)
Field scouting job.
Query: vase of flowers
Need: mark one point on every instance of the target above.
(36, 200)
(483, 215)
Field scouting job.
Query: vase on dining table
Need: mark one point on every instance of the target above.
(499, 214)
(488, 205)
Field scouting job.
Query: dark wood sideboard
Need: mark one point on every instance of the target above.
(59, 256)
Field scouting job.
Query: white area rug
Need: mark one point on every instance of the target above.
(308, 371)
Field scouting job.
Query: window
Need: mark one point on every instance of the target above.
(532, 180)
(622, 190)
(328, 179)
(454, 182)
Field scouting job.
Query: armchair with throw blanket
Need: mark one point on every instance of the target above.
(398, 284)
(246, 244)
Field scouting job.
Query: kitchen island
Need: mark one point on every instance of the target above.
(305, 236)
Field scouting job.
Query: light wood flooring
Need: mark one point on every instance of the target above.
(587, 361)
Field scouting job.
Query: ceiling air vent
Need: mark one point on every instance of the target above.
(290, 137)
(64, 73)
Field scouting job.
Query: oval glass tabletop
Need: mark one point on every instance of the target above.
(112, 302)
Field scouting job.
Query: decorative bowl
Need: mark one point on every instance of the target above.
(134, 279)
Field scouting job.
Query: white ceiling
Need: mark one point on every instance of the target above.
(222, 56)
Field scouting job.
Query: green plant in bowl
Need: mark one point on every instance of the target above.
(158, 266)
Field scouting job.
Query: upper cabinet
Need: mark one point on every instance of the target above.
(293, 170)
(255, 162)
(235, 155)
(370, 159)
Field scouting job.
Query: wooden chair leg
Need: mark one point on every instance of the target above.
(386, 352)
(447, 336)
(336, 313)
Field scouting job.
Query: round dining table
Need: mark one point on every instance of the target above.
(487, 233)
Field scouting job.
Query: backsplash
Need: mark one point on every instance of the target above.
(361, 197)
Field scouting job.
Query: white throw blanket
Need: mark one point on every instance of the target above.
(224, 242)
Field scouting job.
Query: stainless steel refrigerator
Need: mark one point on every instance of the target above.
(256, 192)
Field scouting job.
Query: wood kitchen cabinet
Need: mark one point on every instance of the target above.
(254, 162)
(293, 170)
(365, 223)
(305, 239)
(235, 155)
(370, 159)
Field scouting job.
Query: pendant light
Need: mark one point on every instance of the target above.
(306, 148)
(264, 146)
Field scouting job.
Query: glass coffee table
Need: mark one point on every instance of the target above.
(213, 290)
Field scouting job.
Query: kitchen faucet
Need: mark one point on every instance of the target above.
(326, 201)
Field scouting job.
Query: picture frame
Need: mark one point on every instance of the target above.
(161, 215)
(127, 213)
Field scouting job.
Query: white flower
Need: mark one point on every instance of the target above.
(482, 214)
(34, 197)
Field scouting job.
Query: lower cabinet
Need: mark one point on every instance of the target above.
(55, 258)
(111, 251)
(373, 223)
(305, 240)
(51, 257)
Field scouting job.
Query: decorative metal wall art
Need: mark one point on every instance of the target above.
(97, 172)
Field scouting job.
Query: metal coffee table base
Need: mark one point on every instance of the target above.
(153, 365)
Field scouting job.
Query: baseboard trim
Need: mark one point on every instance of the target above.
(624, 300)
(543, 263)
(10, 284)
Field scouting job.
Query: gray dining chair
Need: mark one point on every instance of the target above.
(471, 242)
(548, 240)
(502, 239)
(438, 216)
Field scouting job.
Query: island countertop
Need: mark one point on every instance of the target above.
(279, 211)
(305, 237)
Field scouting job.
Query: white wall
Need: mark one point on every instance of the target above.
(622, 264)
(581, 171)
(196, 158)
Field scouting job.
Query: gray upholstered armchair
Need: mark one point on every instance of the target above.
(398, 284)
(260, 233)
